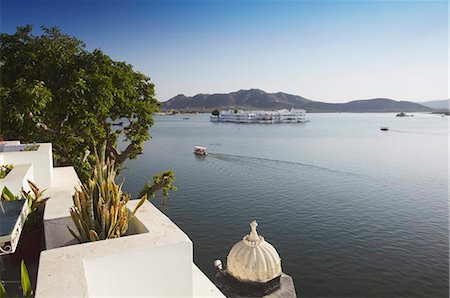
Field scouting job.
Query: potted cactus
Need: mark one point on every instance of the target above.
(100, 205)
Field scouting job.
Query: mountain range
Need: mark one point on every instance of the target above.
(256, 99)
(437, 104)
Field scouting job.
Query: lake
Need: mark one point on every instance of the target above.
(352, 210)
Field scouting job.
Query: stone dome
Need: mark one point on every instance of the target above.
(253, 259)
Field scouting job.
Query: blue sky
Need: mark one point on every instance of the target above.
(333, 51)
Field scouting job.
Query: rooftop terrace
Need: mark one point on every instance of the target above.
(155, 258)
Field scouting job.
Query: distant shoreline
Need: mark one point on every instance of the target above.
(208, 111)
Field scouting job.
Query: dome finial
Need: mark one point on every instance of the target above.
(253, 234)
(253, 259)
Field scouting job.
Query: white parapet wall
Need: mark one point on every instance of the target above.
(154, 261)
(16, 180)
(14, 153)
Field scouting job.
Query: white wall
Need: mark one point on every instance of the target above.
(161, 271)
(163, 253)
(17, 178)
(41, 159)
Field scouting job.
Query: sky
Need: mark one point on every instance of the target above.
(333, 51)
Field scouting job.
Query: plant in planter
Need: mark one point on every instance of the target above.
(31, 147)
(35, 202)
(100, 205)
(30, 244)
(4, 170)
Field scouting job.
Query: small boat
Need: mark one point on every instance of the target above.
(200, 150)
(404, 115)
(185, 118)
(118, 124)
(384, 128)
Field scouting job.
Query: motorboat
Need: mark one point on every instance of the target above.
(384, 128)
(199, 150)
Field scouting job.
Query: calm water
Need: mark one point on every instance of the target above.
(352, 211)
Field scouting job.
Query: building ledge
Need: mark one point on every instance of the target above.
(17, 178)
(155, 260)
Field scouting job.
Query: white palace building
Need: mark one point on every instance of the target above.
(278, 116)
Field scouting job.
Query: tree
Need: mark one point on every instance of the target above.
(54, 90)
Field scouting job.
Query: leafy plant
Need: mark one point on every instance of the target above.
(7, 195)
(100, 205)
(53, 89)
(31, 147)
(27, 291)
(35, 203)
(4, 170)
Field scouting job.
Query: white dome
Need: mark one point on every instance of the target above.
(253, 259)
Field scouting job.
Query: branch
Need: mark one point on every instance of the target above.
(164, 182)
(46, 128)
(43, 125)
(64, 121)
(119, 158)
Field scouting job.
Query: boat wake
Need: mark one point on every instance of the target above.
(418, 131)
(231, 157)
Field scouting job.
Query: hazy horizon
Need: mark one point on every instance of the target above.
(324, 51)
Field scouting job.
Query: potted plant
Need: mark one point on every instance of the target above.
(100, 205)
(31, 240)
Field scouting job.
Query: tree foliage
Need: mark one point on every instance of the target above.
(54, 90)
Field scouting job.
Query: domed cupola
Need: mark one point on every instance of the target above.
(253, 270)
(253, 259)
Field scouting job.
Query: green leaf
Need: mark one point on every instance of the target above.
(141, 201)
(27, 291)
(7, 195)
(2, 291)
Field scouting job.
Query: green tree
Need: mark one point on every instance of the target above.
(53, 89)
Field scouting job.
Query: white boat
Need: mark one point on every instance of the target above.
(199, 150)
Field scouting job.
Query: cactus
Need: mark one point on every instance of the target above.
(100, 205)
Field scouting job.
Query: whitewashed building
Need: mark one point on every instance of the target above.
(278, 116)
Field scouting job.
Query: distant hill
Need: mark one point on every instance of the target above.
(437, 104)
(258, 99)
